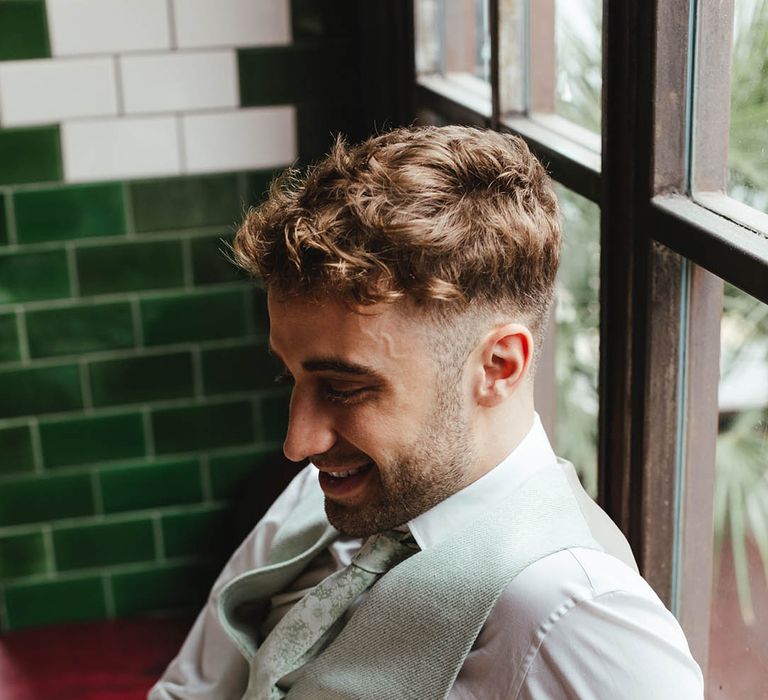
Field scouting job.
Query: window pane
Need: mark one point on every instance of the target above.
(738, 653)
(748, 137)
(577, 314)
(578, 59)
(453, 40)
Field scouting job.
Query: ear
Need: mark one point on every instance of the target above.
(506, 354)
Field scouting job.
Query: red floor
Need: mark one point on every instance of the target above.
(116, 660)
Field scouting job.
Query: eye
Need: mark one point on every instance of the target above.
(344, 396)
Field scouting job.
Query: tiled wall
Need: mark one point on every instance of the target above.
(135, 390)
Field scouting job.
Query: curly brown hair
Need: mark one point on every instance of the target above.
(448, 217)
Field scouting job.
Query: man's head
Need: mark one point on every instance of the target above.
(409, 280)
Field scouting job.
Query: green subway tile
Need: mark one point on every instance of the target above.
(193, 317)
(142, 379)
(76, 211)
(210, 262)
(33, 276)
(16, 450)
(239, 369)
(202, 427)
(51, 602)
(3, 222)
(23, 30)
(171, 587)
(255, 185)
(297, 73)
(188, 202)
(22, 555)
(313, 20)
(127, 267)
(84, 546)
(150, 486)
(92, 439)
(274, 417)
(33, 499)
(77, 329)
(29, 155)
(230, 471)
(193, 533)
(41, 390)
(9, 338)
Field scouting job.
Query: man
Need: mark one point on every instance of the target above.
(435, 546)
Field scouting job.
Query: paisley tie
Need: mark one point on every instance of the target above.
(313, 623)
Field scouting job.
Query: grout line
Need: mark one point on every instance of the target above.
(119, 97)
(157, 534)
(197, 373)
(50, 559)
(186, 260)
(180, 139)
(131, 353)
(21, 329)
(85, 387)
(74, 282)
(149, 437)
(130, 223)
(205, 478)
(67, 302)
(138, 331)
(120, 409)
(10, 219)
(172, 29)
(37, 444)
(109, 595)
(98, 501)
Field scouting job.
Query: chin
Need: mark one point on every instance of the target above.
(359, 521)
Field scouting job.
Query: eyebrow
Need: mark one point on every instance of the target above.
(331, 364)
(334, 364)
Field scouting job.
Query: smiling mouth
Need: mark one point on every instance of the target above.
(345, 484)
(346, 473)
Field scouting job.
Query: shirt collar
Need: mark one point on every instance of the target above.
(533, 453)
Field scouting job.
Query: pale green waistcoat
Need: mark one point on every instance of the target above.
(411, 634)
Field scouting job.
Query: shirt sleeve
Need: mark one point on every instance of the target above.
(209, 666)
(619, 644)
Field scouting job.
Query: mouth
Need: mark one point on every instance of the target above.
(344, 483)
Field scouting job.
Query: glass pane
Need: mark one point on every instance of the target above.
(748, 137)
(578, 60)
(738, 655)
(577, 313)
(453, 40)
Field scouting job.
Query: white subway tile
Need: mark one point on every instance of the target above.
(107, 26)
(261, 137)
(105, 149)
(49, 90)
(231, 22)
(179, 81)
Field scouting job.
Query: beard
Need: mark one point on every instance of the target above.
(432, 469)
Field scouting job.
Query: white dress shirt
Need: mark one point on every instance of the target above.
(576, 624)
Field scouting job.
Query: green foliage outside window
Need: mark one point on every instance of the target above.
(741, 486)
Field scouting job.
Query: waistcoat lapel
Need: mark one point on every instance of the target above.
(297, 542)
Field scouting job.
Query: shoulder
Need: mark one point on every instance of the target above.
(581, 623)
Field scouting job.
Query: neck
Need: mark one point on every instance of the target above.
(499, 431)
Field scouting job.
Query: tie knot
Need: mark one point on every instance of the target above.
(384, 550)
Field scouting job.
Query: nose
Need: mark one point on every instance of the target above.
(310, 428)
